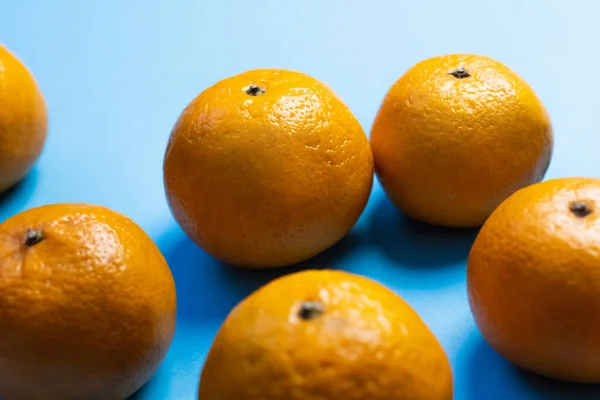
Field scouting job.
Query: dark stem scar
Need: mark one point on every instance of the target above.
(310, 310)
(460, 73)
(33, 237)
(580, 208)
(254, 90)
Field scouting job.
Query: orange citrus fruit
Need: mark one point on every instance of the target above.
(325, 335)
(456, 135)
(534, 279)
(87, 305)
(267, 168)
(23, 120)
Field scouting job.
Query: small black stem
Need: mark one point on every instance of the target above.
(254, 90)
(460, 73)
(580, 208)
(310, 310)
(34, 236)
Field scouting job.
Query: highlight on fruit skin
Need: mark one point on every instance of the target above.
(87, 304)
(23, 120)
(457, 134)
(533, 279)
(267, 168)
(326, 335)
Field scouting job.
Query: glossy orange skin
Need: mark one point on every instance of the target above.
(88, 312)
(269, 180)
(23, 120)
(534, 281)
(448, 151)
(368, 344)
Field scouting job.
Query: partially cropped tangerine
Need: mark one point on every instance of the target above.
(23, 120)
(456, 135)
(325, 335)
(534, 279)
(267, 168)
(87, 305)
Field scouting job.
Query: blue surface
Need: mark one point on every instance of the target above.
(116, 74)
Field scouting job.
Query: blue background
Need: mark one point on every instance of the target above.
(116, 74)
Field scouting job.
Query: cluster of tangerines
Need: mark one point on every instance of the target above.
(269, 168)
